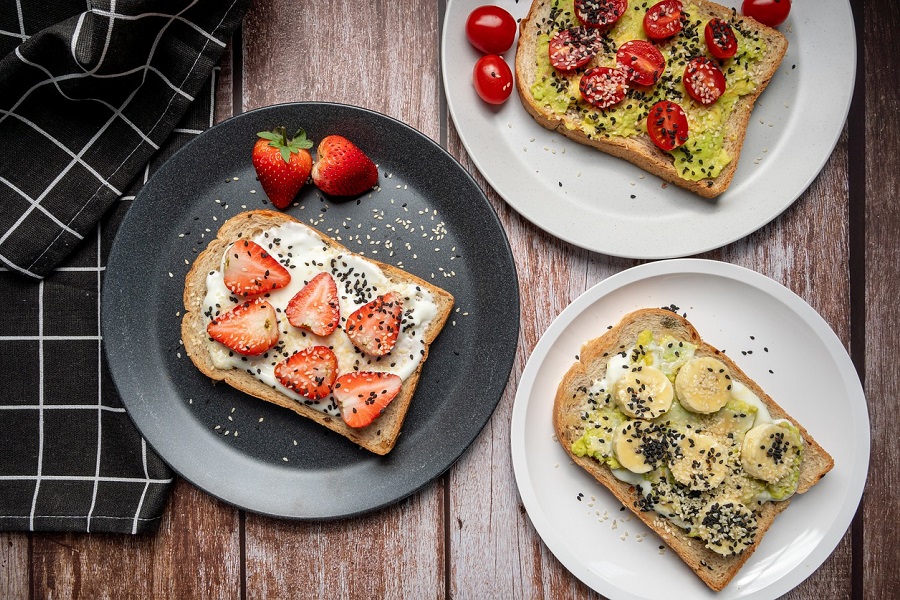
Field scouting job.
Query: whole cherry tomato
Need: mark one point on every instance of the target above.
(493, 79)
(767, 12)
(491, 29)
(667, 125)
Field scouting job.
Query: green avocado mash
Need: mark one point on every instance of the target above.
(703, 155)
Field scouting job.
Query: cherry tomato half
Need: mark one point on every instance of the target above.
(663, 20)
(720, 39)
(493, 79)
(667, 125)
(642, 61)
(703, 80)
(601, 14)
(491, 29)
(768, 12)
(573, 48)
(603, 86)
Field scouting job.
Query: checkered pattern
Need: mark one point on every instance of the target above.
(90, 99)
(90, 104)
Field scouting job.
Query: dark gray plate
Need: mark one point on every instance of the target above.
(257, 456)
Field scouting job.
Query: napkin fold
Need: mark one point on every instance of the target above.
(85, 102)
(91, 102)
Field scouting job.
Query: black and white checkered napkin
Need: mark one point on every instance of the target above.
(91, 101)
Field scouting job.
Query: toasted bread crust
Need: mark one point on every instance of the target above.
(379, 437)
(714, 569)
(640, 150)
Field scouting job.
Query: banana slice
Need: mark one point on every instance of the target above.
(699, 462)
(640, 446)
(703, 385)
(769, 450)
(643, 393)
(727, 526)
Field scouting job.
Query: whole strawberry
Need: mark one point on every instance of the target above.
(282, 164)
(342, 169)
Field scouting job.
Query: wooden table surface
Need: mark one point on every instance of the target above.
(835, 247)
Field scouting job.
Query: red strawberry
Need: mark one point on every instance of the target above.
(282, 164)
(342, 169)
(373, 327)
(250, 270)
(363, 395)
(310, 372)
(316, 307)
(250, 328)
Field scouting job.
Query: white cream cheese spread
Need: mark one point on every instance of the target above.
(305, 254)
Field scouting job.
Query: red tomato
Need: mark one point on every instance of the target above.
(604, 87)
(720, 39)
(642, 61)
(493, 79)
(667, 125)
(491, 29)
(601, 14)
(703, 80)
(663, 20)
(573, 48)
(768, 12)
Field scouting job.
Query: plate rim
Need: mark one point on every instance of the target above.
(451, 457)
(596, 293)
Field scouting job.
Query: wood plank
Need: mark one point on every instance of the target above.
(225, 85)
(494, 549)
(882, 222)
(329, 51)
(15, 569)
(336, 54)
(195, 553)
(394, 553)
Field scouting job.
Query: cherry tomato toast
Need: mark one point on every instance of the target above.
(705, 60)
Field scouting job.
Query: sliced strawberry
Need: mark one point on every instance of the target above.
(250, 328)
(250, 270)
(316, 307)
(363, 395)
(373, 327)
(309, 372)
(342, 169)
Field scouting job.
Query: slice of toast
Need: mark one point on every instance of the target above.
(571, 406)
(532, 66)
(379, 437)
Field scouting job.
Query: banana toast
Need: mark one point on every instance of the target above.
(685, 439)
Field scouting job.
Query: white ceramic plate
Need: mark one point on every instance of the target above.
(607, 205)
(738, 311)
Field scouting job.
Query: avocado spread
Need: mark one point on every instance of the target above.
(703, 156)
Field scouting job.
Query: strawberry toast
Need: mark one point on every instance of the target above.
(284, 313)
